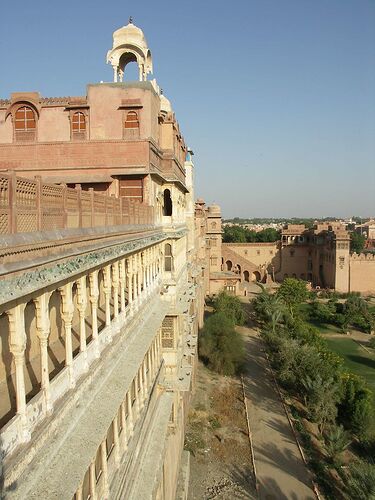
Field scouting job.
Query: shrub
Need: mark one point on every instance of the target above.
(361, 482)
(231, 307)
(336, 441)
(221, 346)
(355, 408)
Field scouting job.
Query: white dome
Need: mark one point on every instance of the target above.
(129, 34)
(165, 105)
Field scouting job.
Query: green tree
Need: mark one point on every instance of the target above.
(234, 234)
(357, 242)
(355, 410)
(221, 346)
(231, 307)
(321, 397)
(268, 307)
(293, 292)
(268, 235)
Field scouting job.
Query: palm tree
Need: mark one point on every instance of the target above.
(336, 441)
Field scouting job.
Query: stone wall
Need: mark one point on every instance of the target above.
(362, 273)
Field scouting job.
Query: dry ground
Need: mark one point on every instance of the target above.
(217, 439)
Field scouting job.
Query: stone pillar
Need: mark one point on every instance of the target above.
(130, 282)
(124, 441)
(81, 306)
(141, 386)
(103, 451)
(149, 364)
(43, 331)
(137, 394)
(135, 286)
(139, 275)
(115, 73)
(122, 280)
(115, 286)
(144, 272)
(94, 297)
(93, 481)
(67, 308)
(145, 379)
(107, 292)
(116, 441)
(130, 425)
(78, 495)
(17, 346)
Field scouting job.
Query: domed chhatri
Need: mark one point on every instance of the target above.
(129, 45)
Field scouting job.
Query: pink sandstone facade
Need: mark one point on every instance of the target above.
(320, 256)
(102, 283)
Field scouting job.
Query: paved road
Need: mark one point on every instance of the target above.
(281, 472)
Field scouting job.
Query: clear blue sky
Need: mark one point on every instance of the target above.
(276, 97)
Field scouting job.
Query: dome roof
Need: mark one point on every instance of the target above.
(130, 34)
(165, 105)
(214, 209)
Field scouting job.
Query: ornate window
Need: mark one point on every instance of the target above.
(168, 257)
(132, 120)
(24, 124)
(167, 332)
(131, 125)
(79, 125)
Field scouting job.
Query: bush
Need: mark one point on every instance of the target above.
(220, 346)
(355, 408)
(231, 307)
(361, 483)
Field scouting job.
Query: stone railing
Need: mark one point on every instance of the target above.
(28, 205)
(87, 312)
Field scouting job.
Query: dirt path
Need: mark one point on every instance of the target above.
(281, 472)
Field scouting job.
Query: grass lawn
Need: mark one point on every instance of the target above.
(356, 359)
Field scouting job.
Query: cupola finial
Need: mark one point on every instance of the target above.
(131, 20)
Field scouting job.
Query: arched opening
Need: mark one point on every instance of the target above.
(56, 340)
(229, 265)
(131, 120)
(238, 269)
(129, 69)
(78, 124)
(168, 257)
(255, 276)
(32, 353)
(246, 276)
(8, 405)
(25, 124)
(167, 205)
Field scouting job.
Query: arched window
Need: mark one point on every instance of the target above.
(78, 123)
(132, 120)
(167, 207)
(24, 124)
(168, 257)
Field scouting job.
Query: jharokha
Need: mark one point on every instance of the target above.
(105, 260)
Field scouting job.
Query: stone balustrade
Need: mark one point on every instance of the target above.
(58, 333)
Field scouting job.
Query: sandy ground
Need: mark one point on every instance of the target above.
(221, 466)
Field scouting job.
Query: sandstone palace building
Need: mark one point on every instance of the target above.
(102, 282)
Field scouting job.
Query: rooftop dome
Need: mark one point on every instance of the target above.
(214, 209)
(130, 34)
(129, 45)
(165, 105)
